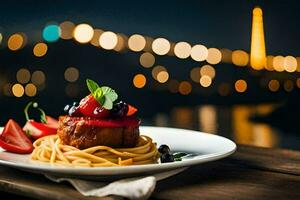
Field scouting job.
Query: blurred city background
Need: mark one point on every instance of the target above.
(181, 63)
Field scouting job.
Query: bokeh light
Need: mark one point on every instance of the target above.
(40, 49)
(274, 85)
(147, 60)
(205, 81)
(207, 70)
(182, 50)
(108, 40)
(72, 90)
(16, 41)
(240, 58)
(195, 74)
(38, 78)
(7, 89)
(95, 39)
(71, 74)
(1, 38)
(199, 52)
(288, 85)
(290, 64)
(139, 81)
(51, 33)
(67, 29)
(226, 55)
(214, 56)
(162, 76)
(161, 46)
(23, 75)
(136, 42)
(240, 86)
(185, 88)
(30, 90)
(18, 90)
(278, 63)
(83, 33)
(156, 70)
(121, 44)
(173, 86)
(269, 66)
(298, 82)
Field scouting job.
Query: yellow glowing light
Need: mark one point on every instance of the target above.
(199, 52)
(108, 40)
(23, 75)
(288, 85)
(278, 63)
(83, 33)
(207, 70)
(161, 46)
(195, 74)
(162, 76)
(156, 70)
(136, 42)
(205, 81)
(147, 60)
(240, 86)
(185, 88)
(273, 85)
(298, 64)
(66, 28)
(290, 64)
(269, 66)
(182, 50)
(214, 56)
(226, 55)
(240, 58)
(38, 77)
(16, 41)
(173, 86)
(71, 74)
(18, 90)
(120, 43)
(95, 40)
(40, 49)
(224, 89)
(258, 49)
(30, 90)
(298, 82)
(139, 81)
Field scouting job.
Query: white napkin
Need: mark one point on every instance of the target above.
(132, 188)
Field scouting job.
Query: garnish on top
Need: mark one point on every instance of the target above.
(100, 103)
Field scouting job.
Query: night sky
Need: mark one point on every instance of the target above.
(222, 24)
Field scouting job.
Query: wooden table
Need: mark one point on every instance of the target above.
(251, 173)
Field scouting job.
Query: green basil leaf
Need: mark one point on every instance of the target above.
(108, 104)
(99, 96)
(92, 85)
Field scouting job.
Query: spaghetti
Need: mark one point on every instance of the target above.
(50, 149)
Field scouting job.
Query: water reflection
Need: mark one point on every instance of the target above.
(232, 122)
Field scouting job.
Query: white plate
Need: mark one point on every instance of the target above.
(207, 147)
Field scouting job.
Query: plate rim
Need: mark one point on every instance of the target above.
(133, 169)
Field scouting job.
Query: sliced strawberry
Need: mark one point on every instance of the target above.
(38, 129)
(13, 139)
(88, 106)
(131, 110)
(51, 122)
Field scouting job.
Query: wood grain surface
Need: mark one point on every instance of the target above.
(250, 173)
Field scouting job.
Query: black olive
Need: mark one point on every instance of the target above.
(167, 157)
(164, 149)
(66, 108)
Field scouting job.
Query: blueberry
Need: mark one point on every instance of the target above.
(164, 149)
(66, 108)
(120, 109)
(167, 157)
(75, 103)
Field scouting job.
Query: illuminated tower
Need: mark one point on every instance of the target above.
(258, 49)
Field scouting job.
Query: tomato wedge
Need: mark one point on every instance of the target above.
(38, 129)
(13, 139)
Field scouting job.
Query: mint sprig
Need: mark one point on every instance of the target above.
(104, 94)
